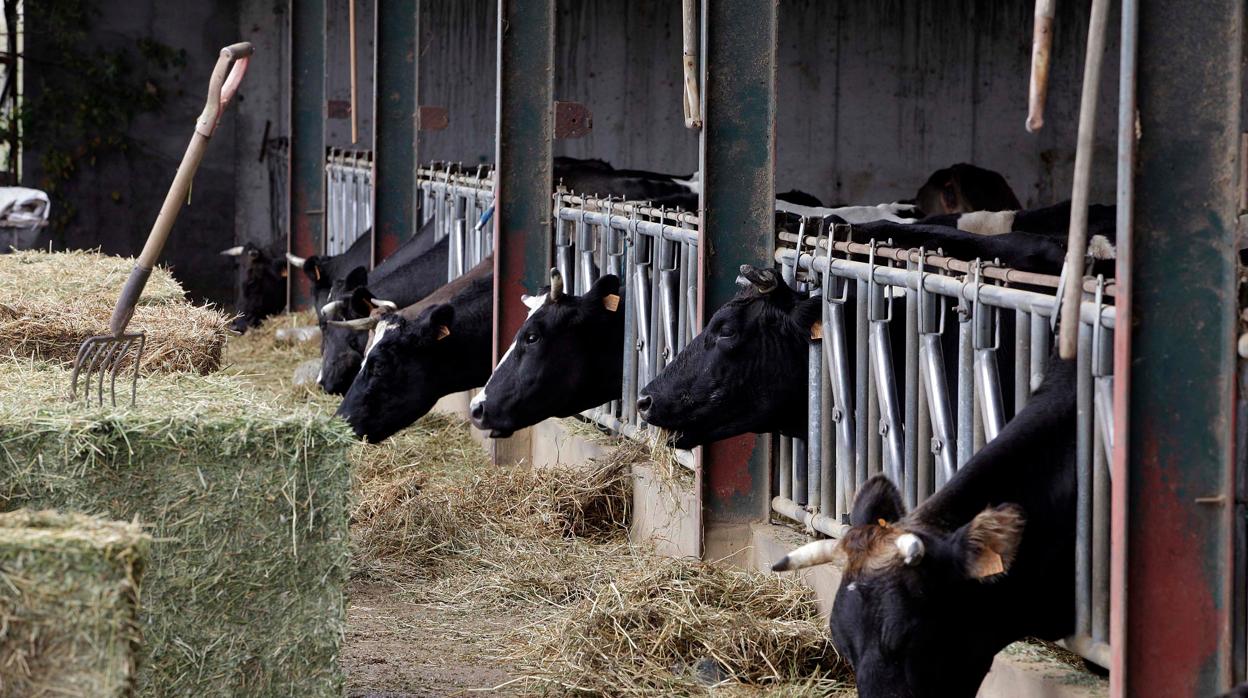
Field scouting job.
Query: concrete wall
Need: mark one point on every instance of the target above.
(874, 96)
(118, 196)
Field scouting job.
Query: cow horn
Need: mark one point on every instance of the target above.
(764, 280)
(233, 251)
(331, 307)
(556, 285)
(911, 548)
(387, 306)
(359, 325)
(295, 261)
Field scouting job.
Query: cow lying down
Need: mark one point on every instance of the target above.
(928, 597)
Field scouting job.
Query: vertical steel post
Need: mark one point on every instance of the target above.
(522, 189)
(397, 24)
(307, 141)
(737, 157)
(1176, 499)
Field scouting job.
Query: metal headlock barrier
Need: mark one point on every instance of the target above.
(460, 206)
(348, 197)
(654, 252)
(277, 158)
(915, 427)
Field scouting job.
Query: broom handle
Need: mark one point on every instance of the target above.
(226, 77)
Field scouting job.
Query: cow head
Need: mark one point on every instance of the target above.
(345, 324)
(343, 338)
(910, 614)
(314, 268)
(566, 357)
(964, 188)
(746, 371)
(402, 374)
(263, 285)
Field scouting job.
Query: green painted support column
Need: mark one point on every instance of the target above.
(394, 131)
(307, 140)
(526, 57)
(738, 155)
(1175, 630)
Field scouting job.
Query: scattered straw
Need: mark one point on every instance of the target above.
(51, 302)
(69, 612)
(246, 499)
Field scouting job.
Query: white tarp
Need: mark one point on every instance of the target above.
(23, 208)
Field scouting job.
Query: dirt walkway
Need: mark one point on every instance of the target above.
(395, 648)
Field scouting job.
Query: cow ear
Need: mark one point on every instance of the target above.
(877, 500)
(604, 292)
(312, 267)
(361, 305)
(989, 542)
(808, 314)
(441, 318)
(357, 277)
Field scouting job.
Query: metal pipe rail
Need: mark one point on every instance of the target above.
(917, 418)
(349, 197)
(459, 206)
(654, 252)
(277, 159)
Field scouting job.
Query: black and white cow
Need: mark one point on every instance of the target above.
(1048, 220)
(745, 372)
(262, 288)
(421, 353)
(928, 598)
(414, 271)
(567, 357)
(963, 188)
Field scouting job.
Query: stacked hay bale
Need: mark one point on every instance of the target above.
(69, 609)
(51, 302)
(246, 500)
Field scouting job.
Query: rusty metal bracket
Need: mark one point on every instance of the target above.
(572, 120)
(429, 118)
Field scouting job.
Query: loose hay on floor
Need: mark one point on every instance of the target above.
(69, 609)
(51, 302)
(245, 498)
(267, 364)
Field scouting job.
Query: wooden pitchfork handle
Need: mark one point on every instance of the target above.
(226, 77)
(1041, 51)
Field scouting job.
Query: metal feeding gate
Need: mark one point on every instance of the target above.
(451, 200)
(654, 252)
(916, 427)
(349, 197)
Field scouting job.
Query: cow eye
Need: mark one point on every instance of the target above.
(727, 332)
(531, 338)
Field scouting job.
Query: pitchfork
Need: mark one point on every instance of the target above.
(104, 354)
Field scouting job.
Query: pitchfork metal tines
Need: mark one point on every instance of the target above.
(105, 355)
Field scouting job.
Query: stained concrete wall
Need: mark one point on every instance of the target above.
(873, 96)
(118, 196)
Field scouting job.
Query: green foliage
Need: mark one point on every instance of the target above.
(87, 96)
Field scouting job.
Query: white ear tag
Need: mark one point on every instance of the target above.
(611, 302)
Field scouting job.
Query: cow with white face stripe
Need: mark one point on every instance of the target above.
(567, 357)
(421, 353)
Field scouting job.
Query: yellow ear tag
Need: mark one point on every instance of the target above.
(283, 272)
(611, 302)
(988, 564)
(443, 332)
(882, 523)
(816, 330)
(317, 271)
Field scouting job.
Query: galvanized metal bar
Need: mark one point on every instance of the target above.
(1183, 272)
(945, 446)
(910, 398)
(966, 386)
(1022, 359)
(1083, 470)
(307, 142)
(868, 413)
(526, 57)
(737, 162)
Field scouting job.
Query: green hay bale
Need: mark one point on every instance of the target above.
(245, 498)
(69, 607)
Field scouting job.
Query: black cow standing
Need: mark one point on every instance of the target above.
(963, 188)
(567, 357)
(439, 346)
(263, 288)
(928, 598)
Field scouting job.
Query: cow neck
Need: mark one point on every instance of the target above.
(448, 292)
